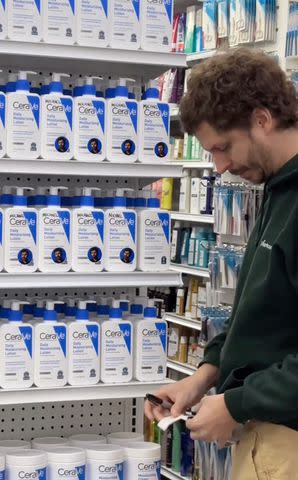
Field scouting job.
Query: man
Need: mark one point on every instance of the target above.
(243, 110)
(128, 147)
(25, 256)
(94, 255)
(94, 146)
(61, 145)
(127, 256)
(58, 257)
(161, 149)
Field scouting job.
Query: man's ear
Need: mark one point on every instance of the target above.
(262, 118)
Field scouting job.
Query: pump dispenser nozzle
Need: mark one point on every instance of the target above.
(82, 311)
(22, 83)
(122, 89)
(89, 88)
(56, 86)
(50, 313)
(15, 312)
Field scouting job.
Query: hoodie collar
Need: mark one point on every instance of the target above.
(288, 172)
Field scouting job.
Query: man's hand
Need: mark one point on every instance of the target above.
(184, 394)
(213, 422)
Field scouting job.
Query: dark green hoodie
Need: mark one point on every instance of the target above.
(258, 356)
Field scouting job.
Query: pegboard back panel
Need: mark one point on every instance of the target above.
(72, 182)
(52, 293)
(29, 421)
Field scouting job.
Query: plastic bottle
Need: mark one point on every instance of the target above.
(176, 242)
(87, 235)
(59, 22)
(11, 83)
(7, 446)
(20, 235)
(150, 347)
(85, 440)
(156, 25)
(154, 126)
(67, 463)
(124, 24)
(120, 236)
(153, 238)
(23, 120)
(122, 126)
(56, 122)
(3, 20)
(194, 207)
(16, 359)
(43, 443)
(50, 350)
(54, 235)
(104, 462)
(103, 311)
(123, 438)
(26, 464)
(184, 195)
(116, 347)
(206, 193)
(89, 124)
(92, 23)
(24, 20)
(142, 457)
(2, 204)
(83, 348)
(2, 113)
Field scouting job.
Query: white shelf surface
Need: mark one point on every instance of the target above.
(185, 322)
(103, 279)
(268, 47)
(90, 60)
(197, 272)
(189, 217)
(106, 169)
(171, 475)
(180, 367)
(194, 164)
(70, 393)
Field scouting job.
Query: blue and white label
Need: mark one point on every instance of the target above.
(3, 19)
(92, 23)
(104, 470)
(83, 353)
(151, 350)
(56, 127)
(54, 251)
(20, 246)
(154, 240)
(2, 474)
(142, 469)
(17, 365)
(16, 472)
(157, 19)
(154, 132)
(120, 240)
(24, 20)
(87, 240)
(90, 130)
(50, 350)
(66, 471)
(125, 23)
(123, 135)
(23, 125)
(59, 21)
(116, 352)
(2, 123)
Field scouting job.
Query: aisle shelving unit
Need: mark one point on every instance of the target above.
(181, 367)
(191, 164)
(183, 321)
(171, 475)
(196, 272)
(189, 217)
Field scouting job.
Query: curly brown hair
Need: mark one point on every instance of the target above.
(225, 89)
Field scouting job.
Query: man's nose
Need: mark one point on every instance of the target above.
(222, 164)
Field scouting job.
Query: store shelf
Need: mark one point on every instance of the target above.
(196, 272)
(180, 367)
(68, 394)
(268, 47)
(194, 164)
(171, 475)
(185, 322)
(90, 60)
(79, 280)
(196, 57)
(104, 169)
(188, 217)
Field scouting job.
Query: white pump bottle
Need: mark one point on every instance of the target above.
(56, 122)
(122, 126)
(54, 235)
(154, 127)
(116, 347)
(16, 352)
(89, 124)
(23, 120)
(20, 235)
(124, 22)
(120, 236)
(92, 23)
(83, 348)
(24, 20)
(50, 349)
(59, 22)
(87, 234)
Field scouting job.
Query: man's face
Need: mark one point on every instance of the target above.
(58, 255)
(160, 149)
(126, 254)
(238, 151)
(61, 143)
(94, 145)
(93, 253)
(24, 256)
(127, 147)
